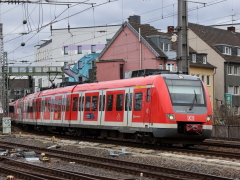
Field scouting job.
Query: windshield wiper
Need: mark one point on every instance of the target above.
(194, 99)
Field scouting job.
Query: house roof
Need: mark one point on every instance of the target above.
(146, 30)
(214, 36)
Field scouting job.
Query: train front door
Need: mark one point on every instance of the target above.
(128, 107)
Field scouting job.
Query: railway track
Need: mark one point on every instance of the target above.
(151, 171)
(31, 171)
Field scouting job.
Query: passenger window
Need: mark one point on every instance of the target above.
(100, 103)
(59, 104)
(68, 104)
(80, 105)
(75, 104)
(148, 94)
(126, 102)
(94, 103)
(109, 102)
(119, 102)
(138, 102)
(52, 105)
(55, 105)
(87, 103)
(130, 102)
(103, 108)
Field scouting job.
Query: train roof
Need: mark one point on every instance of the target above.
(132, 82)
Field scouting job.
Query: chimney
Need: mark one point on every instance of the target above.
(231, 28)
(170, 29)
(134, 19)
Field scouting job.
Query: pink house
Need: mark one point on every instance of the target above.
(134, 47)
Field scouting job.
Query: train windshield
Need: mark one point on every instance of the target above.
(186, 92)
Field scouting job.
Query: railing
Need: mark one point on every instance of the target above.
(34, 71)
(226, 132)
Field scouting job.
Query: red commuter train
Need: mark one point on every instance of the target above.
(160, 109)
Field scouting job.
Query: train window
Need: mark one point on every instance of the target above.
(126, 102)
(59, 104)
(80, 105)
(52, 104)
(39, 105)
(138, 102)
(130, 102)
(87, 103)
(119, 104)
(94, 103)
(109, 102)
(148, 94)
(100, 103)
(42, 106)
(49, 105)
(103, 107)
(75, 104)
(68, 104)
(55, 105)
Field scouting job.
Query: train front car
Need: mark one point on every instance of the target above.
(187, 110)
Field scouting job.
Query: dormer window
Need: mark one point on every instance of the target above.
(194, 58)
(227, 50)
(204, 59)
(238, 51)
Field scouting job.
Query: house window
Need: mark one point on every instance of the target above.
(80, 65)
(93, 49)
(160, 66)
(235, 70)
(170, 67)
(162, 46)
(236, 110)
(169, 47)
(194, 58)
(166, 47)
(227, 50)
(65, 48)
(236, 90)
(204, 59)
(79, 48)
(203, 78)
(208, 80)
(229, 70)
(230, 89)
(238, 51)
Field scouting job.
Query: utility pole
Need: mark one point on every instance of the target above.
(4, 76)
(183, 48)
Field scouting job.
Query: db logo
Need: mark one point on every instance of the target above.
(190, 118)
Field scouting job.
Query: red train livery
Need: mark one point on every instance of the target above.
(162, 109)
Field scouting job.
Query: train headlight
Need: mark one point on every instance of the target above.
(209, 118)
(171, 117)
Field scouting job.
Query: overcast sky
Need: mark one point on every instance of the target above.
(158, 13)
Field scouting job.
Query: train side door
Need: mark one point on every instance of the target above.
(147, 109)
(90, 115)
(80, 108)
(138, 105)
(101, 107)
(128, 107)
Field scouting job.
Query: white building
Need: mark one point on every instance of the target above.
(69, 45)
